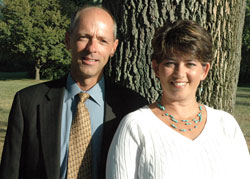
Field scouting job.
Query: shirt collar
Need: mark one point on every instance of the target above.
(96, 92)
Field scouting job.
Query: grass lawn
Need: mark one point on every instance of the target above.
(11, 83)
(242, 111)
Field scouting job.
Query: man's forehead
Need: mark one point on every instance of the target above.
(95, 11)
(89, 15)
(95, 15)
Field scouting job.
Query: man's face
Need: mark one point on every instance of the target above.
(91, 44)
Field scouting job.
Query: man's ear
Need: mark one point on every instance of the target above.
(155, 66)
(206, 69)
(115, 44)
(67, 41)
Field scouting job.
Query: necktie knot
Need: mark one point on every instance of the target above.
(83, 97)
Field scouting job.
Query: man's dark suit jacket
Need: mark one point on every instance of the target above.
(32, 143)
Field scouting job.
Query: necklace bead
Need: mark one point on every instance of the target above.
(161, 107)
(186, 122)
(174, 126)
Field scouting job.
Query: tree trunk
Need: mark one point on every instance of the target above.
(137, 20)
(37, 70)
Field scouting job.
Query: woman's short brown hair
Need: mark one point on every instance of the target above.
(183, 37)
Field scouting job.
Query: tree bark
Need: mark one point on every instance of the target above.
(137, 20)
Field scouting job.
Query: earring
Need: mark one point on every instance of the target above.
(201, 87)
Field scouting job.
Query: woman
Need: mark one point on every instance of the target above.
(177, 137)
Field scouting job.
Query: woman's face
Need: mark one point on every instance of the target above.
(180, 76)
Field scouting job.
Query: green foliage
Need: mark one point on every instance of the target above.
(33, 31)
(246, 36)
(245, 63)
(82, 2)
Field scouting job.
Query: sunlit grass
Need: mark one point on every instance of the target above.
(8, 89)
(10, 83)
(242, 111)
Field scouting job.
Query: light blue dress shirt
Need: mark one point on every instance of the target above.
(95, 105)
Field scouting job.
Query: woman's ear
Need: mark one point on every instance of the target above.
(155, 66)
(206, 69)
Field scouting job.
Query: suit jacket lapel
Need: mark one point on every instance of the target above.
(50, 123)
(109, 117)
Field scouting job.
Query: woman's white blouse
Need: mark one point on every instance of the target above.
(146, 148)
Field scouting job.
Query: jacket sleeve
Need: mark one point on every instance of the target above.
(10, 162)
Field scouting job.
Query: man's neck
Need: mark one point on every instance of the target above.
(86, 83)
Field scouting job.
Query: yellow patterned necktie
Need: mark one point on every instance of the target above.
(79, 159)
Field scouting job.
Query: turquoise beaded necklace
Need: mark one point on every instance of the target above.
(194, 122)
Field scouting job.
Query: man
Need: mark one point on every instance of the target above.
(37, 138)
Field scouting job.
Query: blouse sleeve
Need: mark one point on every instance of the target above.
(241, 153)
(238, 148)
(124, 152)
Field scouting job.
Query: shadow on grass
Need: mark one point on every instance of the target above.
(3, 123)
(244, 87)
(2, 135)
(243, 95)
(13, 75)
(242, 103)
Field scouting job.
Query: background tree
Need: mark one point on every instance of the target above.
(32, 35)
(13, 26)
(245, 63)
(32, 31)
(46, 41)
(137, 20)
(82, 2)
